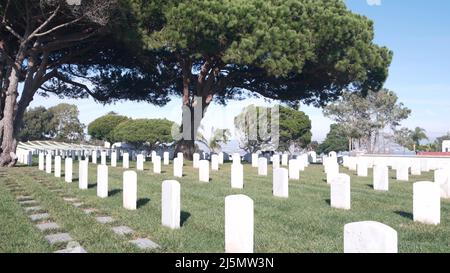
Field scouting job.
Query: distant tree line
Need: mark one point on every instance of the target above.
(58, 123)
(141, 133)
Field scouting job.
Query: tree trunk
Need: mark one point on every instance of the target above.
(192, 117)
(9, 143)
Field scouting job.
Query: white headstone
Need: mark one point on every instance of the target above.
(236, 158)
(126, 161)
(424, 165)
(203, 171)
(402, 172)
(255, 160)
(196, 159)
(284, 159)
(103, 157)
(237, 176)
(312, 157)
(94, 157)
(140, 162)
(281, 182)
(262, 166)
(83, 167)
(221, 158)
(181, 156)
(102, 181)
(129, 190)
(153, 155)
(415, 166)
(41, 161)
(332, 171)
(301, 163)
(369, 237)
(48, 163)
(440, 176)
(29, 159)
(340, 197)
(178, 167)
(57, 166)
(215, 162)
(68, 170)
(157, 164)
(166, 158)
(380, 177)
(170, 204)
(294, 171)
(445, 186)
(114, 159)
(239, 224)
(352, 164)
(361, 168)
(275, 161)
(427, 202)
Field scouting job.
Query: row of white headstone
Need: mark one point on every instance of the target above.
(239, 219)
(238, 208)
(170, 201)
(426, 195)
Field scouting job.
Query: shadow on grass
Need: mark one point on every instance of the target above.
(114, 192)
(90, 186)
(370, 186)
(404, 214)
(142, 202)
(328, 201)
(184, 215)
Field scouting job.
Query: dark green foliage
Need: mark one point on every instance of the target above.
(36, 124)
(102, 127)
(59, 122)
(144, 132)
(65, 125)
(336, 140)
(295, 128)
(288, 50)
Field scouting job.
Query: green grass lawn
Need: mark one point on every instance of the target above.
(304, 222)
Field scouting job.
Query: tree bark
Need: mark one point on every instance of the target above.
(9, 143)
(194, 107)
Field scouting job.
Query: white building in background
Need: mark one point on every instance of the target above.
(446, 146)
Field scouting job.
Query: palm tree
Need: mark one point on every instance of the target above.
(417, 135)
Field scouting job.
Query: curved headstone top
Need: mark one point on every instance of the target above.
(369, 237)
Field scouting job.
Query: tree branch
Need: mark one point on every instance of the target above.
(80, 85)
(57, 27)
(46, 22)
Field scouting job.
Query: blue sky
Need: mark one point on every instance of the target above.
(418, 32)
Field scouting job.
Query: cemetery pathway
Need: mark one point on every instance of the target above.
(85, 225)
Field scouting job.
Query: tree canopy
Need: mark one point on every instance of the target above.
(36, 124)
(59, 123)
(336, 140)
(144, 132)
(102, 128)
(291, 51)
(364, 117)
(293, 129)
(65, 125)
(203, 50)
